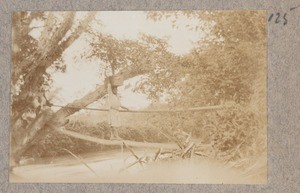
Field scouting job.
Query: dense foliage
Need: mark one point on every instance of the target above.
(227, 67)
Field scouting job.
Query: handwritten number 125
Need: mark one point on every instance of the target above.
(281, 18)
(278, 18)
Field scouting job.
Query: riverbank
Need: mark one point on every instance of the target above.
(109, 168)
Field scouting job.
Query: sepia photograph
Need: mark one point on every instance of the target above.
(175, 97)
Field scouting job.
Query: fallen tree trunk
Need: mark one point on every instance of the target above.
(91, 97)
(117, 142)
(58, 119)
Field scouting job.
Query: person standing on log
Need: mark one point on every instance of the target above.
(114, 105)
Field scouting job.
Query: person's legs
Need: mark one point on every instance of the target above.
(111, 132)
(114, 133)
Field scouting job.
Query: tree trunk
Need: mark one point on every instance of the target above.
(22, 137)
(47, 48)
(55, 121)
(50, 47)
(117, 142)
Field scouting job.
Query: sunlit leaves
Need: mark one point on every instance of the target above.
(147, 55)
(33, 55)
(229, 65)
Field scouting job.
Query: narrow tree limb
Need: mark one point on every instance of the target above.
(157, 154)
(192, 151)
(79, 159)
(200, 154)
(79, 30)
(132, 152)
(187, 149)
(139, 160)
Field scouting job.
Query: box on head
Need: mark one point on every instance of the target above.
(116, 80)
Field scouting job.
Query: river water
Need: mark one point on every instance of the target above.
(108, 167)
